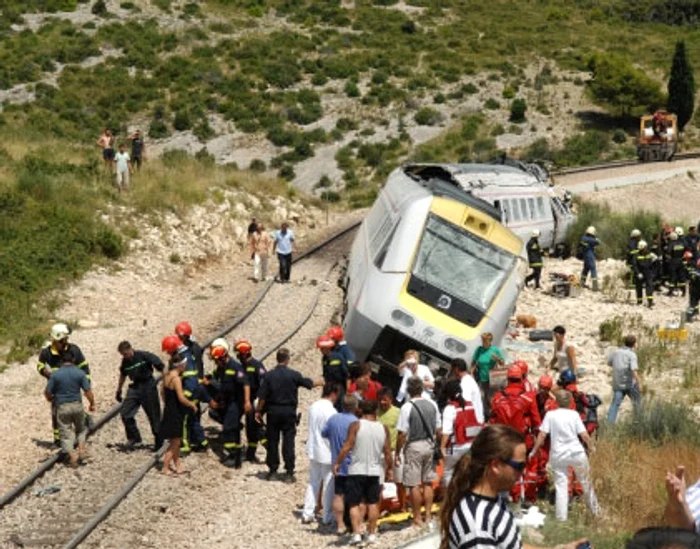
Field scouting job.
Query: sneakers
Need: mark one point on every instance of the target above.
(356, 540)
(372, 538)
(307, 520)
(271, 475)
(430, 527)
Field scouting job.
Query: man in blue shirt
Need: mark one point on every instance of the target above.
(336, 431)
(284, 244)
(63, 390)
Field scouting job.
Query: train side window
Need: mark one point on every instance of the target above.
(523, 210)
(501, 207)
(513, 203)
(531, 208)
(381, 256)
(540, 207)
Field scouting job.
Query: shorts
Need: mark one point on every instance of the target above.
(340, 485)
(359, 488)
(108, 154)
(418, 464)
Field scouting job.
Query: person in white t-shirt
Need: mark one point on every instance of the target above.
(318, 450)
(411, 367)
(457, 443)
(122, 163)
(564, 427)
(470, 388)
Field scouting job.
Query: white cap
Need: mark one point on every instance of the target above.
(635, 233)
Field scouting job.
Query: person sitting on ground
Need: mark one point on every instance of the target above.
(564, 357)
(370, 444)
(63, 391)
(173, 416)
(474, 513)
(565, 428)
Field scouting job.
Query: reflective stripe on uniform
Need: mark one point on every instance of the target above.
(232, 445)
(189, 373)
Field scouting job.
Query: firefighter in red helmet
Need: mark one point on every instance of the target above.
(255, 370)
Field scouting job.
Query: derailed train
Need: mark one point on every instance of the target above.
(431, 268)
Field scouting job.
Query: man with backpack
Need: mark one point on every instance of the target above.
(516, 407)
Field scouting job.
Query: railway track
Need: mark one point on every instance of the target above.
(619, 164)
(70, 504)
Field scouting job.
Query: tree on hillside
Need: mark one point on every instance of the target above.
(623, 88)
(681, 86)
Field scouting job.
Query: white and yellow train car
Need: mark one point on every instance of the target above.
(431, 268)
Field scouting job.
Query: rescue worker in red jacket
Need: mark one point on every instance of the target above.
(60, 351)
(545, 403)
(524, 368)
(255, 370)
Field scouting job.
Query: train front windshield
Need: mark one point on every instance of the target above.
(457, 271)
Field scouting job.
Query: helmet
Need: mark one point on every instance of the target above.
(325, 342)
(218, 352)
(567, 377)
(522, 365)
(673, 236)
(243, 346)
(335, 333)
(635, 233)
(183, 329)
(679, 231)
(514, 372)
(219, 342)
(545, 382)
(687, 255)
(642, 244)
(591, 230)
(59, 331)
(535, 233)
(171, 344)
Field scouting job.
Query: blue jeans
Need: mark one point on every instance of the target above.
(618, 397)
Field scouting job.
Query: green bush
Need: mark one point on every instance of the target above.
(99, 8)
(257, 165)
(427, 116)
(182, 121)
(158, 129)
(287, 172)
(492, 104)
(517, 111)
(582, 149)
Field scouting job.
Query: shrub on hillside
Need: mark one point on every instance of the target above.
(428, 117)
(517, 111)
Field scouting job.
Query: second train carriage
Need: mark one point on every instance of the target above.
(431, 268)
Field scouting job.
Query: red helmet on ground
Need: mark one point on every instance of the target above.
(522, 365)
(171, 344)
(325, 342)
(335, 333)
(184, 328)
(514, 372)
(545, 382)
(243, 346)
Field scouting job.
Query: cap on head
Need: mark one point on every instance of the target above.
(183, 329)
(171, 344)
(514, 373)
(325, 342)
(535, 233)
(635, 233)
(642, 244)
(60, 331)
(545, 382)
(243, 346)
(591, 230)
(335, 333)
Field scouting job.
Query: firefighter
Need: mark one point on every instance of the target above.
(184, 331)
(691, 242)
(588, 244)
(255, 370)
(342, 347)
(643, 270)
(534, 259)
(193, 438)
(657, 250)
(234, 397)
(335, 368)
(674, 253)
(694, 291)
(632, 251)
(58, 352)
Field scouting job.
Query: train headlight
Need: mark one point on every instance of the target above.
(402, 318)
(455, 346)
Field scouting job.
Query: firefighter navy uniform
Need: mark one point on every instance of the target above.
(335, 370)
(142, 392)
(534, 259)
(676, 270)
(193, 438)
(643, 270)
(254, 431)
(233, 382)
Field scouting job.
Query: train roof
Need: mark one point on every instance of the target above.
(508, 173)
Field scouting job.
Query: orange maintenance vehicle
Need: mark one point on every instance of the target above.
(658, 137)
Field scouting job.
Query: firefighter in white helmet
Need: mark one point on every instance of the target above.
(587, 247)
(60, 351)
(534, 259)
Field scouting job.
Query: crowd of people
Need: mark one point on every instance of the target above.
(670, 259)
(364, 441)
